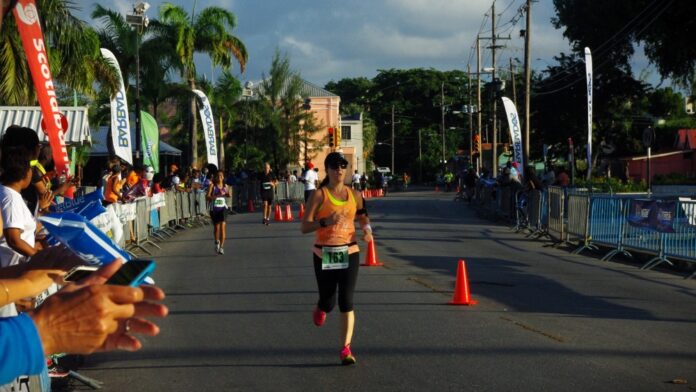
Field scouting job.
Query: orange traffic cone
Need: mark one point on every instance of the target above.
(288, 213)
(278, 216)
(462, 296)
(250, 206)
(301, 210)
(437, 188)
(371, 256)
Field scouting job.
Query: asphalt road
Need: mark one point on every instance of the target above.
(545, 320)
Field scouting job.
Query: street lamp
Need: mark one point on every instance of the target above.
(247, 93)
(139, 21)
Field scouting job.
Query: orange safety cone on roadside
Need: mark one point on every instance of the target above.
(301, 210)
(437, 188)
(288, 213)
(371, 256)
(250, 206)
(278, 216)
(462, 296)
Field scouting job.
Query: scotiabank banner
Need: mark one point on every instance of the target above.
(27, 17)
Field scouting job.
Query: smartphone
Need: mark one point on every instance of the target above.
(132, 273)
(78, 273)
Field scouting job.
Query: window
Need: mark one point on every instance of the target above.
(345, 132)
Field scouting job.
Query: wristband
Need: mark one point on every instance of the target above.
(367, 227)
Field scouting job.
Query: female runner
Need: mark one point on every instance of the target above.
(331, 212)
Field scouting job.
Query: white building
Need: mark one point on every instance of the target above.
(352, 142)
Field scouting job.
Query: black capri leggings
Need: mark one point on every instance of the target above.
(345, 279)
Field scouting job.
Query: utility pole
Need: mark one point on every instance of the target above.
(527, 78)
(478, 99)
(493, 47)
(392, 142)
(512, 80)
(471, 114)
(495, 98)
(442, 107)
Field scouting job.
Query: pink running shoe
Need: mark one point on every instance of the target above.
(347, 357)
(319, 317)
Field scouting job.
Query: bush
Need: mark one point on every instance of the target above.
(613, 185)
(673, 179)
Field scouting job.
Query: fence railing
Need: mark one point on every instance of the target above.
(590, 220)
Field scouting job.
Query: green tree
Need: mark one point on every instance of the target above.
(73, 51)
(225, 97)
(208, 32)
(281, 93)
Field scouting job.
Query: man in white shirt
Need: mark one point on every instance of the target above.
(310, 179)
(356, 180)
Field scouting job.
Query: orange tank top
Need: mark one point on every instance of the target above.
(337, 235)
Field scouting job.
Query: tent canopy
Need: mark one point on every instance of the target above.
(100, 147)
(28, 116)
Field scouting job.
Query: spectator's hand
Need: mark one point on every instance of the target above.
(91, 316)
(45, 200)
(58, 259)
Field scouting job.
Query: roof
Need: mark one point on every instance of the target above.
(307, 89)
(686, 139)
(352, 117)
(30, 117)
(100, 148)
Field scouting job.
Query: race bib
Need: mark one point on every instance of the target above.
(219, 203)
(267, 185)
(334, 257)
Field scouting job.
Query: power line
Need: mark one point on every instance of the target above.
(603, 49)
(603, 62)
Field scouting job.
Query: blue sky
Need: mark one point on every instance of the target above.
(333, 39)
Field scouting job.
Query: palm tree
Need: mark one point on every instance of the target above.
(225, 95)
(281, 91)
(73, 52)
(208, 32)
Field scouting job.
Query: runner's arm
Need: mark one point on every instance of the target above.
(362, 217)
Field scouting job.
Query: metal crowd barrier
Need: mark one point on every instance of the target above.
(682, 243)
(578, 229)
(289, 192)
(556, 215)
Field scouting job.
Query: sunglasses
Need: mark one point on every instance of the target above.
(7, 6)
(335, 166)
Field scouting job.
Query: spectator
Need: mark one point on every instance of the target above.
(532, 182)
(310, 179)
(114, 185)
(549, 177)
(470, 183)
(18, 241)
(16, 136)
(293, 177)
(449, 179)
(355, 181)
(562, 179)
(514, 171)
(363, 181)
(156, 183)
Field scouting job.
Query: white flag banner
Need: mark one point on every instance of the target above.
(120, 125)
(515, 132)
(588, 72)
(208, 128)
